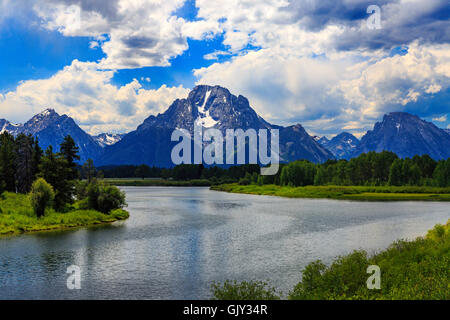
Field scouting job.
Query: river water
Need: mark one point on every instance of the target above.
(179, 240)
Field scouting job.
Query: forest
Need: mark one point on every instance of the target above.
(369, 169)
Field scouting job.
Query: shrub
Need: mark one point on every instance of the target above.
(93, 191)
(104, 198)
(254, 290)
(2, 187)
(244, 181)
(41, 196)
(81, 190)
(110, 198)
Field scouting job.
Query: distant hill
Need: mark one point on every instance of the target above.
(406, 135)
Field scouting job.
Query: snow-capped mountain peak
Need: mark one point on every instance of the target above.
(204, 119)
(108, 139)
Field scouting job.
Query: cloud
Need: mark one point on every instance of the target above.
(140, 33)
(314, 61)
(215, 55)
(329, 94)
(87, 94)
(441, 119)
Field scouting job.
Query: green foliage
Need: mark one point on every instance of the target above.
(143, 171)
(442, 173)
(410, 270)
(17, 216)
(298, 173)
(55, 169)
(69, 151)
(244, 181)
(24, 163)
(88, 170)
(110, 198)
(342, 279)
(8, 161)
(41, 196)
(254, 290)
(377, 193)
(104, 197)
(81, 189)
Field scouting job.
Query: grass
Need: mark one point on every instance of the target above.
(388, 193)
(16, 216)
(135, 182)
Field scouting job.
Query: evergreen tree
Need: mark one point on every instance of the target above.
(396, 173)
(69, 151)
(442, 173)
(36, 158)
(55, 170)
(7, 161)
(24, 163)
(143, 171)
(88, 170)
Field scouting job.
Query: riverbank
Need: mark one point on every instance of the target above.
(363, 193)
(17, 217)
(409, 270)
(158, 183)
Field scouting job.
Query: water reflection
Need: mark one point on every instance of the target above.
(178, 240)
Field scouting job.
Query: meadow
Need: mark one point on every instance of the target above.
(368, 193)
(17, 216)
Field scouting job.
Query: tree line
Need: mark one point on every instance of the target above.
(51, 178)
(369, 169)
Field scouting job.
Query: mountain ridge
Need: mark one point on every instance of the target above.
(406, 135)
(210, 107)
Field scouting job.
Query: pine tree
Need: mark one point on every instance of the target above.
(69, 151)
(396, 173)
(24, 163)
(7, 161)
(36, 158)
(55, 170)
(89, 170)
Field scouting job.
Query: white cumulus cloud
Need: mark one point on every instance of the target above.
(86, 93)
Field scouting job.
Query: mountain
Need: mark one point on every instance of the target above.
(342, 146)
(323, 141)
(51, 128)
(108, 139)
(212, 107)
(5, 125)
(406, 135)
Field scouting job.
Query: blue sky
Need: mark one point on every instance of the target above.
(110, 64)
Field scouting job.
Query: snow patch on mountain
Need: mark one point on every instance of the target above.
(108, 139)
(204, 119)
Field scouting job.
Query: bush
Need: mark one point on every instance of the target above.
(81, 190)
(110, 198)
(104, 198)
(254, 290)
(244, 181)
(41, 196)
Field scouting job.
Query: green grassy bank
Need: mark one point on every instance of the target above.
(130, 182)
(409, 270)
(16, 216)
(388, 193)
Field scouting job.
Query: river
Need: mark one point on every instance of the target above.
(178, 240)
